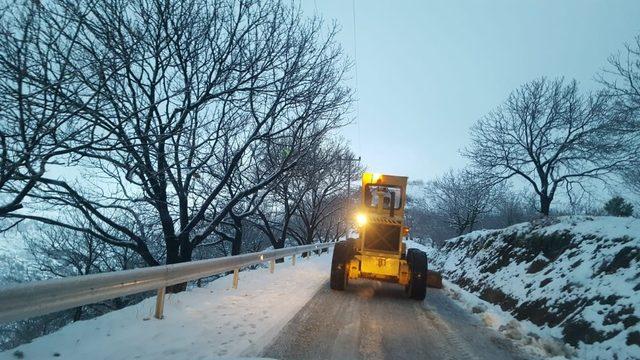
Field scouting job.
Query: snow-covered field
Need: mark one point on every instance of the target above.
(575, 279)
(203, 323)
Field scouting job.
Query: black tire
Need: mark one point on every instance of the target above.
(410, 254)
(417, 288)
(409, 257)
(342, 253)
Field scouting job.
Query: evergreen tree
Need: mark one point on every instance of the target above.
(617, 206)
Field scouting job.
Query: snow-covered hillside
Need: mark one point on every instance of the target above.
(573, 278)
(16, 264)
(416, 194)
(202, 323)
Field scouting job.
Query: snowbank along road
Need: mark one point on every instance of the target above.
(375, 320)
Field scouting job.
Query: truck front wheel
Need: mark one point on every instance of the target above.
(342, 253)
(417, 287)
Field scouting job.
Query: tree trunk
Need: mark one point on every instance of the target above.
(279, 245)
(545, 204)
(236, 245)
(173, 251)
(179, 254)
(174, 289)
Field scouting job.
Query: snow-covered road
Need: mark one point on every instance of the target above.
(374, 320)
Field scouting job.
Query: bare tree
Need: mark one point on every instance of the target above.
(60, 252)
(271, 197)
(421, 217)
(321, 213)
(427, 223)
(622, 84)
(275, 216)
(512, 207)
(621, 80)
(193, 96)
(462, 197)
(38, 128)
(309, 203)
(551, 136)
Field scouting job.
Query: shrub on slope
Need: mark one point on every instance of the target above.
(575, 277)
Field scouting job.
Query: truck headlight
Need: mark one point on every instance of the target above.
(361, 219)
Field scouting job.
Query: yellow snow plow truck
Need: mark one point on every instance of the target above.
(379, 252)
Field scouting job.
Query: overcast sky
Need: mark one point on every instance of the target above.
(428, 69)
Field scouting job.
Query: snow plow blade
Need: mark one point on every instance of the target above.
(434, 279)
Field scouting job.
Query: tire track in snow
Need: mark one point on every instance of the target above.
(462, 349)
(373, 320)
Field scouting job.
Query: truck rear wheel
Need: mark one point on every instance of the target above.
(417, 287)
(342, 253)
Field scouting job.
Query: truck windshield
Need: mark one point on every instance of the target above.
(372, 195)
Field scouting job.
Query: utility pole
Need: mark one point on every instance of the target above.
(348, 208)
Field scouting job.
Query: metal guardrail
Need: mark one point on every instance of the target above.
(43, 297)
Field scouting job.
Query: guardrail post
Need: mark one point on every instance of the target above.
(272, 265)
(293, 260)
(160, 303)
(235, 278)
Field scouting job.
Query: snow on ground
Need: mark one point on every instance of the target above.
(522, 332)
(572, 278)
(212, 322)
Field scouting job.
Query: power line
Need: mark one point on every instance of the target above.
(355, 65)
